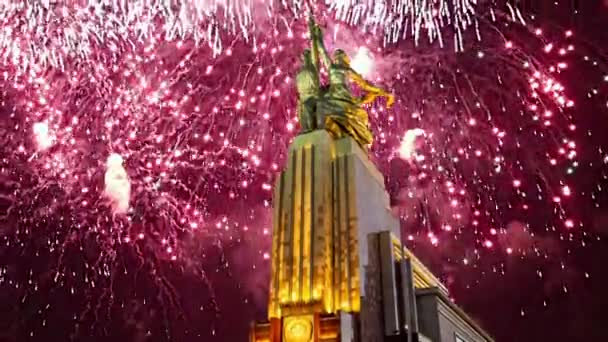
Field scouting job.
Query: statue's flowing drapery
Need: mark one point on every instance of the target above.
(341, 111)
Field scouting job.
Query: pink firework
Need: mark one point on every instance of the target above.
(140, 142)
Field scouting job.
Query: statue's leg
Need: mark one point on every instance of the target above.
(319, 120)
(306, 113)
(312, 110)
(324, 108)
(303, 118)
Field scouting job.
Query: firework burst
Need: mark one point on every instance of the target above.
(141, 140)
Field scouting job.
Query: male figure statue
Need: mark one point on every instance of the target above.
(308, 86)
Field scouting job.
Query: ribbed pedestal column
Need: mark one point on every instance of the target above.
(338, 271)
(328, 198)
(301, 225)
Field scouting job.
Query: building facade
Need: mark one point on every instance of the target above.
(338, 270)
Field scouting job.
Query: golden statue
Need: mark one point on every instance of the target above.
(337, 110)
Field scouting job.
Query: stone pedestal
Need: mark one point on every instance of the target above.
(326, 201)
(302, 218)
(336, 248)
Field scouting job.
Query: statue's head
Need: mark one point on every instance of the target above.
(340, 57)
(307, 57)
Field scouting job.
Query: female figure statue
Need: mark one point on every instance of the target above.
(337, 109)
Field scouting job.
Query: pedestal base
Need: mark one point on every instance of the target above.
(300, 328)
(339, 271)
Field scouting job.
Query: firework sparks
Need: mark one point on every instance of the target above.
(54, 34)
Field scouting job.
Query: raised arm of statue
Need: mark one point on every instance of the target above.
(319, 46)
(314, 50)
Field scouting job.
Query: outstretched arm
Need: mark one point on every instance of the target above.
(371, 91)
(364, 84)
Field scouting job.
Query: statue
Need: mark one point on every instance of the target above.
(308, 87)
(334, 107)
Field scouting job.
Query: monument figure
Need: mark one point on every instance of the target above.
(338, 270)
(338, 110)
(308, 86)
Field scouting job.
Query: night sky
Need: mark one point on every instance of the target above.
(136, 165)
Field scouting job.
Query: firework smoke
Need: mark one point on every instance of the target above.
(363, 62)
(117, 186)
(408, 147)
(42, 137)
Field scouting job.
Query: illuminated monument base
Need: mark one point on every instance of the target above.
(339, 271)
